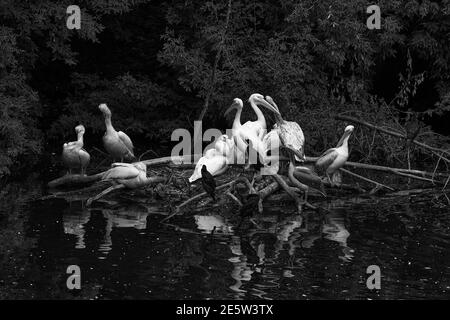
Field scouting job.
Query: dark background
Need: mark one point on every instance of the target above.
(155, 64)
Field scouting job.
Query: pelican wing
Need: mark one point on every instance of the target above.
(121, 171)
(271, 140)
(327, 158)
(126, 140)
(293, 138)
(84, 157)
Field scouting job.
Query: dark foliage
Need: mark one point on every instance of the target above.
(155, 63)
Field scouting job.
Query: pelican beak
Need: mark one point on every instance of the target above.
(267, 105)
(347, 132)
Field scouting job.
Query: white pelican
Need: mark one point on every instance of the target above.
(237, 126)
(291, 137)
(251, 130)
(74, 156)
(333, 159)
(290, 133)
(259, 126)
(126, 175)
(117, 143)
(131, 176)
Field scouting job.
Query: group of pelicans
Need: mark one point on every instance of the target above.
(250, 136)
(253, 136)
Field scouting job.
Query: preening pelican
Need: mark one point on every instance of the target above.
(131, 176)
(74, 156)
(333, 159)
(117, 143)
(292, 139)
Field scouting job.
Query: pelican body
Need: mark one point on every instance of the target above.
(74, 156)
(333, 159)
(290, 133)
(291, 136)
(131, 176)
(116, 143)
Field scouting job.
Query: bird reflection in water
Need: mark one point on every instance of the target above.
(76, 220)
(334, 230)
(242, 268)
(73, 223)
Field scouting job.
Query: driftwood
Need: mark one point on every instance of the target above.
(103, 193)
(75, 180)
(437, 151)
(280, 181)
(367, 180)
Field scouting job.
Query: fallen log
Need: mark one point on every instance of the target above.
(390, 170)
(437, 151)
(75, 180)
(377, 184)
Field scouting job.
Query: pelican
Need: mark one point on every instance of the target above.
(333, 159)
(290, 133)
(117, 143)
(74, 156)
(291, 136)
(237, 126)
(251, 130)
(131, 176)
(215, 163)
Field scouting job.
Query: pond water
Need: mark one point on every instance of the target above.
(124, 251)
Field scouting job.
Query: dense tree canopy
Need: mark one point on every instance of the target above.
(159, 64)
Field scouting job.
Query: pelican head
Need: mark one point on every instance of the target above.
(270, 100)
(347, 132)
(237, 104)
(258, 99)
(349, 129)
(104, 109)
(80, 129)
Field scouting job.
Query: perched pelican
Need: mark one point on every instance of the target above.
(237, 126)
(74, 156)
(251, 130)
(126, 175)
(293, 140)
(259, 126)
(208, 182)
(215, 163)
(131, 176)
(333, 159)
(290, 133)
(117, 143)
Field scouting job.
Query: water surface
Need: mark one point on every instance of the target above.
(125, 252)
